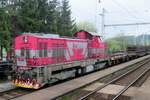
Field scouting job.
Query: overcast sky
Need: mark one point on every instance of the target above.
(117, 12)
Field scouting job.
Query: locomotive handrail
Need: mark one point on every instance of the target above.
(6, 64)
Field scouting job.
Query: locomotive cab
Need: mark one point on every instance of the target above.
(27, 75)
(22, 50)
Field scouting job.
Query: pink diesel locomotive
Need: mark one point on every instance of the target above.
(47, 58)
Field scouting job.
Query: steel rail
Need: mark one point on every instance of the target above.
(126, 87)
(112, 81)
(18, 93)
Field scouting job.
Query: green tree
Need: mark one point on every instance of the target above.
(39, 16)
(87, 26)
(5, 30)
(75, 28)
(122, 40)
(113, 45)
(65, 23)
(28, 16)
(42, 13)
(118, 43)
(52, 16)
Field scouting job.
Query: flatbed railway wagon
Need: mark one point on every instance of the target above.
(6, 69)
(46, 58)
(135, 51)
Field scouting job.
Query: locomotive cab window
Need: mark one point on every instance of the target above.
(25, 52)
(22, 52)
(45, 49)
(42, 47)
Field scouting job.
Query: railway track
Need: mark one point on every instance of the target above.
(15, 93)
(130, 84)
(125, 78)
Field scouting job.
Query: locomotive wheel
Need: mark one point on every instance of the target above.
(109, 63)
(83, 70)
(78, 72)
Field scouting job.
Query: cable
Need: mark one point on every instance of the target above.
(125, 9)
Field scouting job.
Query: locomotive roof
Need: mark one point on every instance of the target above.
(52, 36)
(91, 33)
(42, 35)
(94, 33)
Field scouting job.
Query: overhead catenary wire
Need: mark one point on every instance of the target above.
(125, 9)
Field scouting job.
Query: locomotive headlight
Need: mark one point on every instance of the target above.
(25, 39)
